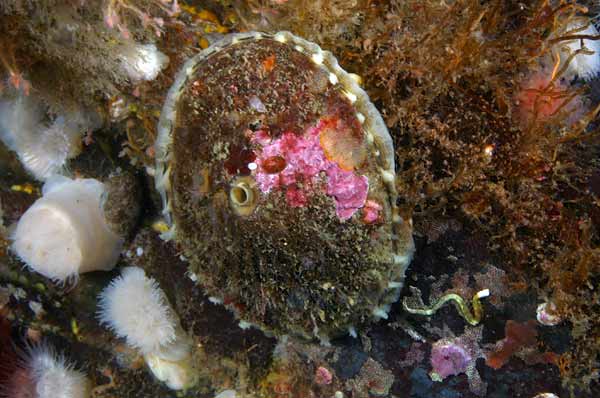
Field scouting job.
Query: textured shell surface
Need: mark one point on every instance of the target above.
(277, 178)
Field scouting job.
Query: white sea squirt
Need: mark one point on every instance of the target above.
(135, 308)
(64, 233)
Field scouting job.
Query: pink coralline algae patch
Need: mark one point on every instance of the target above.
(304, 161)
(451, 356)
(449, 359)
(323, 376)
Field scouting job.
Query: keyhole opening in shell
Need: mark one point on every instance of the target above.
(243, 196)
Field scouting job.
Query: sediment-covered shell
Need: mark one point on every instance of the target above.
(277, 176)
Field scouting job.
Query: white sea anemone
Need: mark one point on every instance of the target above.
(586, 64)
(135, 308)
(43, 144)
(42, 373)
(55, 377)
(142, 61)
(64, 233)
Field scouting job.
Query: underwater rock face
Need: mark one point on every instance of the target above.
(277, 176)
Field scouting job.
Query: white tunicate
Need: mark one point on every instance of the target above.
(64, 233)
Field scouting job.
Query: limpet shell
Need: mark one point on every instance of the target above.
(278, 182)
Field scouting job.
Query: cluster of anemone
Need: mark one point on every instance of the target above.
(67, 232)
(64, 234)
(46, 133)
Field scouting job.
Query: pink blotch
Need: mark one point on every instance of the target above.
(111, 19)
(296, 197)
(348, 189)
(19, 82)
(371, 211)
(259, 137)
(323, 376)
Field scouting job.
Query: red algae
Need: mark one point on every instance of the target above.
(238, 161)
(518, 335)
(296, 197)
(521, 340)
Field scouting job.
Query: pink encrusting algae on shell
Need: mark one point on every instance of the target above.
(304, 161)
